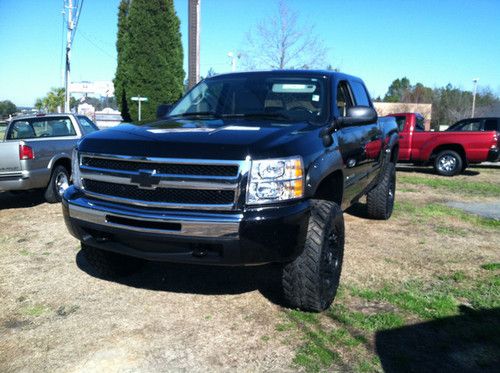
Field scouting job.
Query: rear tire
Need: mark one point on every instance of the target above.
(380, 200)
(109, 264)
(310, 282)
(448, 163)
(59, 182)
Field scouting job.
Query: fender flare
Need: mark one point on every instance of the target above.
(324, 165)
(58, 157)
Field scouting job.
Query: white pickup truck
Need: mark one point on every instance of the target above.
(35, 152)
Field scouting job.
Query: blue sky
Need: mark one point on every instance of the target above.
(429, 41)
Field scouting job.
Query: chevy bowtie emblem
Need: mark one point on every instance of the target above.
(146, 179)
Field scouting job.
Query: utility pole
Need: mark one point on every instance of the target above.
(72, 23)
(68, 55)
(194, 42)
(475, 80)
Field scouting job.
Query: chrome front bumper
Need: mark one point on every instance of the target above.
(207, 225)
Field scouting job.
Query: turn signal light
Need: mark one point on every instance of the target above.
(25, 152)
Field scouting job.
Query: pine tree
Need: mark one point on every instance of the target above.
(150, 56)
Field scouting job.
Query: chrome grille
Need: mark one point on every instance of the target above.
(163, 182)
(162, 168)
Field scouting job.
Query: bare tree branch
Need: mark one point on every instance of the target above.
(280, 42)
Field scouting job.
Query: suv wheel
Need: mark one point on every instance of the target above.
(448, 163)
(59, 182)
(310, 282)
(380, 200)
(109, 264)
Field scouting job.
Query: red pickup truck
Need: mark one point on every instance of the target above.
(449, 152)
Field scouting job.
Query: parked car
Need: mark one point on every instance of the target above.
(450, 152)
(246, 169)
(475, 124)
(36, 152)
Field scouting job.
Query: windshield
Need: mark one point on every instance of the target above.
(282, 98)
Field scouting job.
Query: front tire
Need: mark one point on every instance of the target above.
(59, 182)
(109, 264)
(448, 163)
(310, 282)
(380, 200)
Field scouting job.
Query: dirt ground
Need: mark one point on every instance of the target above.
(57, 315)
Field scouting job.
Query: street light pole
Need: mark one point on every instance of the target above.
(474, 96)
(139, 99)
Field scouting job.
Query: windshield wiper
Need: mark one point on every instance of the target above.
(197, 114)
(256, 115)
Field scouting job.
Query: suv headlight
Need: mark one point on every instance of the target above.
(75, 169)
(275, 180)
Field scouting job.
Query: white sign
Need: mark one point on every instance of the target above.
(139, 98)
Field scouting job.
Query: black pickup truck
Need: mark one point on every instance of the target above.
(246, 169)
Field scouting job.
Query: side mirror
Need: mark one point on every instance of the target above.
(163, 110)
(358, 116)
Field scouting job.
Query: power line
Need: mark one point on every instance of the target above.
(88, 38)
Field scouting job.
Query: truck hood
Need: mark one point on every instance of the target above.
(204, 139)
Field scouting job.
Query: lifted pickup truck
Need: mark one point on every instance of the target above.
(36, 152)
(450, 152)
(246, 169)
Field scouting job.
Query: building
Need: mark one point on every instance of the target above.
(386, 108)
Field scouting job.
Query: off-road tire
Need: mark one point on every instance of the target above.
(109, 264)
(452, 156)
(310, 282)
(380, 200)
(52, 192)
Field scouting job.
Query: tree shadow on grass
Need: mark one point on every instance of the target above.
(21, 199)
(200, 279)
(469, 342)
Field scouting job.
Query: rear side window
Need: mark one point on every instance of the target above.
(87, 125)
(40, 128)
(470, 125)
(360, 94)
(492, 125)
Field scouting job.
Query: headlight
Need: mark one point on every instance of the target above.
(75, 169)
(275, 180)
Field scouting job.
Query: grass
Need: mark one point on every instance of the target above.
(34, 311)
(348, 343)
(359, 320)
(431, 211)
(491, 266)
(454, 185)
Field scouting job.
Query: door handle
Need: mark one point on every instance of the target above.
(401, 136)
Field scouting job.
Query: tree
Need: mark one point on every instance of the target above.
(397, 90)
(7, 108)
(121, 74)
(150, 56)
(54, 101)
(280, 42)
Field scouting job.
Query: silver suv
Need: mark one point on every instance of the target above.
(36, 152)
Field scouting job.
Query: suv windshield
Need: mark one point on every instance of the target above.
(282, 98)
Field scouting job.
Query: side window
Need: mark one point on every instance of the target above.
(87, 125)
(400, 120)
(470, 125)
(492, 125)
(420, 126)
(344, 100)
(360, 94)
